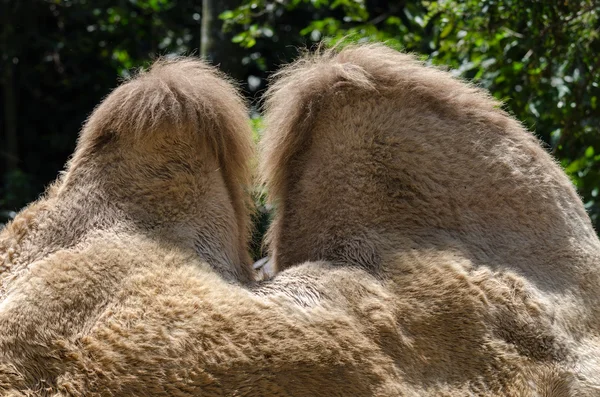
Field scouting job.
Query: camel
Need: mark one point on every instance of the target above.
(425, 245)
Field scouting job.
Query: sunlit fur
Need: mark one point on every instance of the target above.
(378, 162)
(124, 281)
(165, 154)
(128, 278)
(163, 159)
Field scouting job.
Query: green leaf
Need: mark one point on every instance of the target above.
(227, 15)
(446, 31)
(238, 38)
(589, 152)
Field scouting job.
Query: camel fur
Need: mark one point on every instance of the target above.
(378, 162)
(131, 277)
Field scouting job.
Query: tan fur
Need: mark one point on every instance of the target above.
(126, 278)
(165, 156)
(103, 294)
(148, 159)
(379, 162)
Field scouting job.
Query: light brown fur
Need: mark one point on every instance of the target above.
(148, 159)
(126, 278)
(111, 299)
(379, 162)
(165, 157)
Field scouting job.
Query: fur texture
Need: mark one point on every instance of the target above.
(378, 162)
(164, 157)
(110, 288)
(148, 159)
(126, 279)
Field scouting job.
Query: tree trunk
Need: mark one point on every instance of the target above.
(216, 45)
(9, 151)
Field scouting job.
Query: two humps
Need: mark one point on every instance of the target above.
(423, 241)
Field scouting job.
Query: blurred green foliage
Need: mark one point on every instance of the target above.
(62, 56)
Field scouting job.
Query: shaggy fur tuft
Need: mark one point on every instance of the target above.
(378, 162)
(314, 79)
(150, 156)
(181, 97)
(421, 140)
